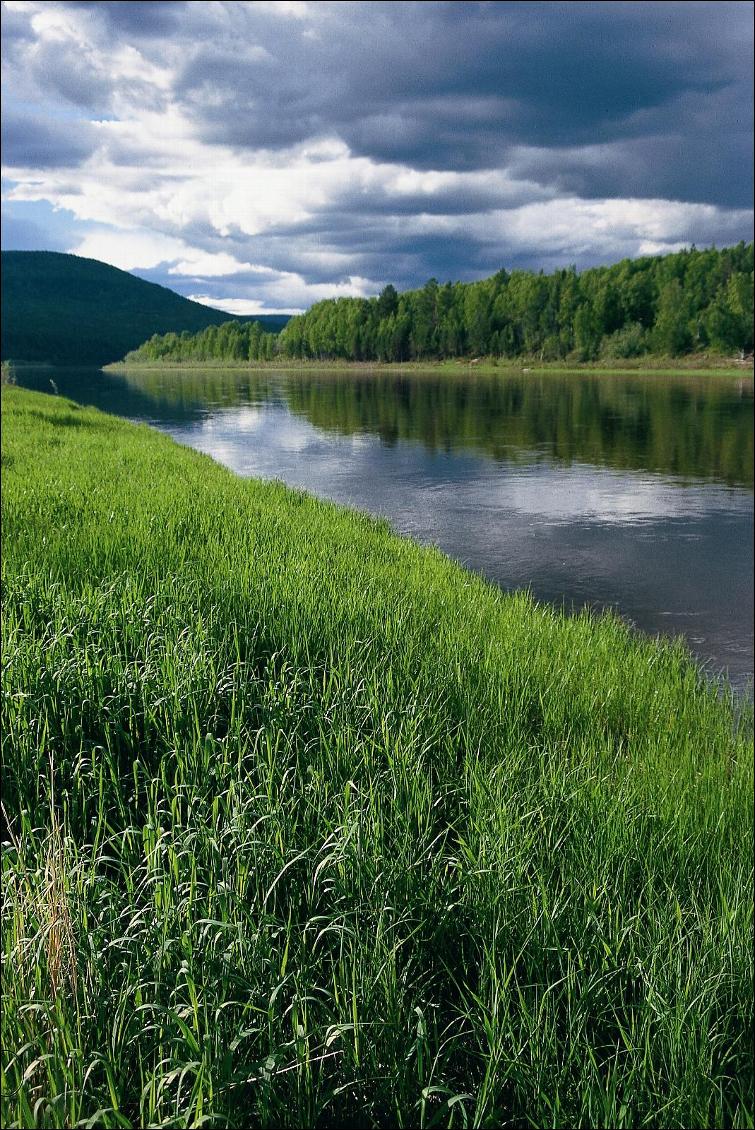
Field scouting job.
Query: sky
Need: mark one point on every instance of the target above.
(259, 157)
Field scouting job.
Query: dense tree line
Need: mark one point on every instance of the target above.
(692, 301)
(687, 302)
(231, 341)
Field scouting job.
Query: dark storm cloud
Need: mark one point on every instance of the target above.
(72, 75)
(457, 86)
(133, 17)
(16, 28)
(75, 67)
(672, 167)
(32, 142)
(451, 85)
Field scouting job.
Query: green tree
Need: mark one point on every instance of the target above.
(587, 332)
(671, 333)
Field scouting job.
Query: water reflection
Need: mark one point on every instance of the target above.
(678, 427)
(686, 425)
(630, 492)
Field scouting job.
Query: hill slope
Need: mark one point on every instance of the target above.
(68, 310)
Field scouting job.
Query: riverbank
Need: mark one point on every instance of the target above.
(310, 826)
(663, 366)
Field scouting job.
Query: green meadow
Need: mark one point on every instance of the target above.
(307, 826)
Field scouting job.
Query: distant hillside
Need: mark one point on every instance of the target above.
(67, 310)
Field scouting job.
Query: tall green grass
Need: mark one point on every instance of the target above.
(307, 826)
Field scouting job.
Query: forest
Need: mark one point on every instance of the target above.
(692, 301)
(231, 341)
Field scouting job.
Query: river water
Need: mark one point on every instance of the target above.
(633, 492)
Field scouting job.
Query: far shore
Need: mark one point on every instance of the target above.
(725, 366)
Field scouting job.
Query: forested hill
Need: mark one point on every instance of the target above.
(67, 310)
(691, 301)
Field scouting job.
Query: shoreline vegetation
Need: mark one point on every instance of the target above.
(704, 363)
(689, 303)
(305, 825)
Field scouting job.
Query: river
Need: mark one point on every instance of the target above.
(633, 492)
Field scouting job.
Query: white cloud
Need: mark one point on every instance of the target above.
(239, 305)
(294, 9)
(169, 183)
(206, 264)
(54, 23)
(614, 227)
(659, 247)
(288, 293)
(130, 250)
(141, 250)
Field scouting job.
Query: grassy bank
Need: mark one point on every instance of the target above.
(661, 365)
(307, 826)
